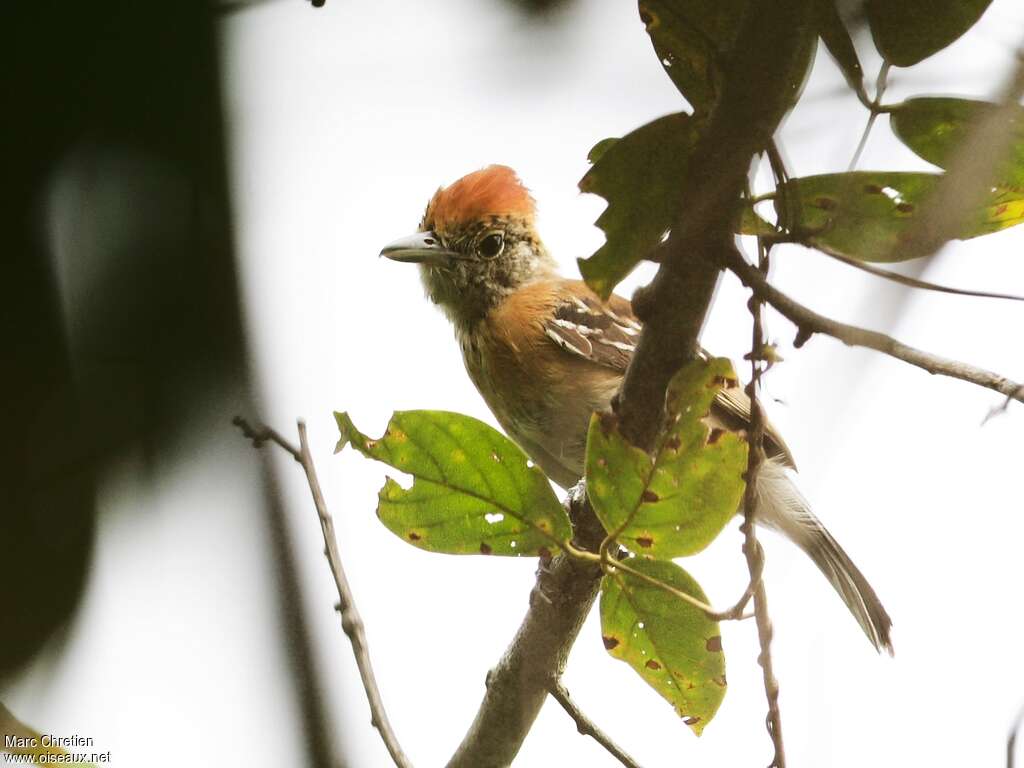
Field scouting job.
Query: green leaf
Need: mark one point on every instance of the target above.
(837, 40)
(692, 39)
(866, 214)
(473, 490)
(597, 151)
(935, 128)
(908, 31)
(639, 175)
(672, 645)
(751, 223)
(677, 501)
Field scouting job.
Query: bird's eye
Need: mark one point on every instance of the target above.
(491, 245)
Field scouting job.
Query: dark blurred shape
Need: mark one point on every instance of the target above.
(119, 300)
(541, 7)
(119, 321)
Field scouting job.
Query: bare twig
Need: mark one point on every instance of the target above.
(585, 726)
(1011, 741)
(752, 550)
(913, 282)
(999, 410)
(809, 322)
(351, 622)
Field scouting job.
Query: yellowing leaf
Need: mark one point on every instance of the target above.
(473, 490)
(677, 501)
(671, 644)
(867, 214)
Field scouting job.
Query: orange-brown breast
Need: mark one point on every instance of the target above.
(534, 387)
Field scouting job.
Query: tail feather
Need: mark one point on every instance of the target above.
(782, 507)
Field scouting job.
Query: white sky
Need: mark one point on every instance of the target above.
(344, 120)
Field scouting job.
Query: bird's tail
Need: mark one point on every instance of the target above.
(782, 507)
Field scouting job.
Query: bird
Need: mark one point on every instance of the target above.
(545, 353)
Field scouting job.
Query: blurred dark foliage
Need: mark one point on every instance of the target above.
(540, 7)
(120, 324)
(119, 303)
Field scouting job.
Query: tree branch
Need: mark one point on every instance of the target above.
(1011, 741)
(518, 685)
(585, 726)
(756, 93)
(351, 622)
(809, 322)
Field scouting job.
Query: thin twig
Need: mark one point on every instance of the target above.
(999, 410)
(586, 726)
(351, 622)
(880, 84)
(809, 322)
(1011, 741)
(752, 550)
(913, 282)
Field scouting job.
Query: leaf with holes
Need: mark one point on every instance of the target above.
(676, 501)
(935, 129)
(671, 644)
(867, 214)
(692, 40)
(908, 31)
(473, 491)
(639, 177)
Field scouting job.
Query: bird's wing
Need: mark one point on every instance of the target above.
(606, 333)
(601, 332)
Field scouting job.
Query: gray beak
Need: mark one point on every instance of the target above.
(421, 248)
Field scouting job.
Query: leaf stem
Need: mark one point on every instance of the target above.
(876, 110)
(913, 282)
(809, 322)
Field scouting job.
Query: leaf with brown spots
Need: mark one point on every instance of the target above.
(473, 491)
(677, 501)
(667, 641)
(866, 214)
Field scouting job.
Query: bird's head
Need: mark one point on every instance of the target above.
(476, 244)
